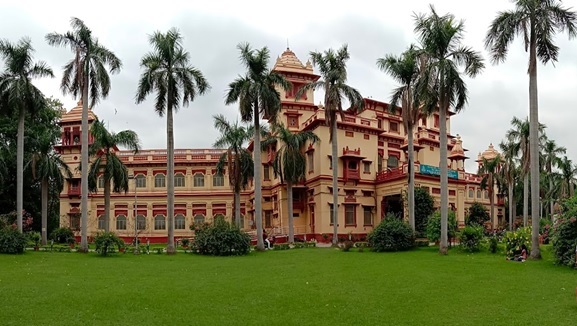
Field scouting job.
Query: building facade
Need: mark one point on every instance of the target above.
(372, 174)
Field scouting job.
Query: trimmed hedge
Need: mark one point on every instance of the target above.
(391, 234)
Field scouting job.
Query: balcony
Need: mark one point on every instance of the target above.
(74, 191)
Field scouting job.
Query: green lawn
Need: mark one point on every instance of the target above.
(294, 287)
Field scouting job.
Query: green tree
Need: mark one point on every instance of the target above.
(407, 70)
(440, 41)
(477, 215)
(85, 75)
(489, 170)
(257, 96)
(536, 22)
(18, 93)
(333, 69)
(424, 207)
(568, 172)
(237, 158)
(290, 163)
(167, 71)
(551, 157)
(509, 174)
(105, 162)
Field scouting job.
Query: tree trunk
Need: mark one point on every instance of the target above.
(237, 208)
(551, 197)
(107, 204)
(84, 165)
(257, 180)
(20, 169)
(411, 194)
(534, 146)
(492, 205)
(44, 214)
(444, 177)
(526, 199)
(511, 218)
(289, 194)
(335, 164)
(170, 249)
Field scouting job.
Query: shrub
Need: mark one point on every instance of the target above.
(12, 241)
(62, 235)
(424, 207)
(564, 238)
(434, 226)
(221, 239)
(34, 237)
(514, 241)
(478, 215)
(470, 238)
(106, 242)
(544, 229)
(493, 242)
(9, 219)
(347, 245)
(184, 242)
(391, 234)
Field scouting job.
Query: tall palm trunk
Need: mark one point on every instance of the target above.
(289, 195)
(510, 186)
(107, 204)
(444, 177)
(551, 198)
(237, 208)
(526, 198)
(170, 249)
(20, 169)
(534, 145)
(411, 194)
(257, 180)
(84, 164)
(44, 213)
(492, 204)
(335, 164)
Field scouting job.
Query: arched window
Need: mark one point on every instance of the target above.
(478, 193)
(242, 221)
(471, 193)
(218, 180)
(218, 216)
(121, 222)
(140, 222)
(179, 180)
(159, 181)
(159, 222)
(199, 180)
(392, 161)
(198, 218)
(140, 181)
(486, 193)
(101, 222)
(101, 182)
(179, 222)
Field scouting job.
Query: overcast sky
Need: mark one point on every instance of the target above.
(212, 29)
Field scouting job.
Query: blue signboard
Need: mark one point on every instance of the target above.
(434, 170)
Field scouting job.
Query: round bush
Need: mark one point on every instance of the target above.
(391, 234)
(434, 226)
(221, 239)
(470, 238)
(565, 241)
(62, 235)
(12, 241)
(106, 241)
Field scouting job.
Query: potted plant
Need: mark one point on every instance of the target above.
(184, 242)
(35, 237)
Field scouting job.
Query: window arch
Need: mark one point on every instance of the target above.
(140, 181)
(199, 180)
(218, 216)
(101, 182)
(486, 194)
(140, 222)
(159, 222)
(179, 180)
(471, 193)
(101, 222)
(392, 161)
(218, 180)
(159, 180)
(179, 222)
(478, 193)
(121, 222)
(198, 218)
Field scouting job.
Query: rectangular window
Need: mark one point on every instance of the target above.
(350, 215)
(218, 180)
(330, 162)
(367, 215)
(366, 167)
(436, 121)
(332, 216)
(268, 219)
(349, 134)
(380, 163)
(140, 181)
(393, 126)
(266, 172)
(101, 182)
(311, 161)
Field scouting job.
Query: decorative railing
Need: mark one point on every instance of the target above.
(347, 151)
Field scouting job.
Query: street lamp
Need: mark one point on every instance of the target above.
(134, 214)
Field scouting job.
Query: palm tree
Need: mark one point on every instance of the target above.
(18, 93)
(237, 159)
(333, 69)
(406, 69)
(48, 166)
(489, 169)
(168, 72)
(106, 162)
(257, 96)
(440, 40)
(551, 153)
(536, 21)
(509, 173)
(85, 75)
(568, 172)
(290, 163)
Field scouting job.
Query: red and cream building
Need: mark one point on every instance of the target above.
(372, 174)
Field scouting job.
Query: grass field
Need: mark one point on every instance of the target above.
(294, 287)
